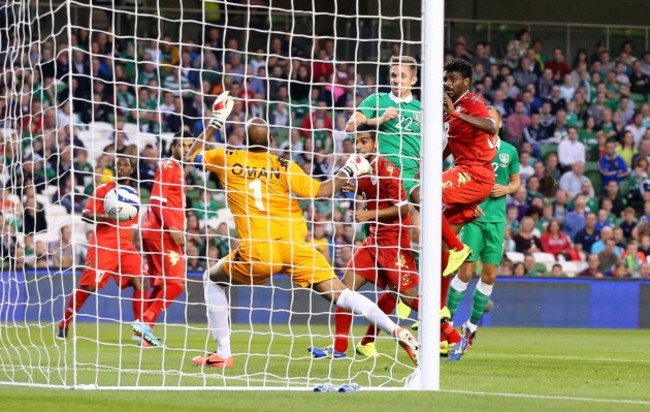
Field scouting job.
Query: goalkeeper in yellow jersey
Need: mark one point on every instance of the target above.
(260, 189)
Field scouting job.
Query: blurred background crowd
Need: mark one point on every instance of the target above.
(580, 123)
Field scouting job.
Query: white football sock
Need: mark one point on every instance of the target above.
(472, 327)
(361, 305)
(484, 288)
(458, 284)
(216, 303)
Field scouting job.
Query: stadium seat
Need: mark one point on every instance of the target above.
(573, 268)
(515, 257)
(548, 148)
(547, 259)
(131, 128)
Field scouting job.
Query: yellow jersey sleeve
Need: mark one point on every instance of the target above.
(214, 157)
(300, 183)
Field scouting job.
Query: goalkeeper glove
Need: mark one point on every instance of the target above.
(356, 165)
(221, 110)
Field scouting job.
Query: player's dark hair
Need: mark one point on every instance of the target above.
(372, 131)
(460, 66)
(178, 137)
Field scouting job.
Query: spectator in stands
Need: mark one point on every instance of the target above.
(633, 258)
(560, 206)
(33, 216)
(559, 131)
(558, 65)
(42, 256)
(606, 234)
(526, 169)
(519, 270)
(637, 128)
(610, 256)
(602, 220)
(526, 241)
(587, 236)
(547, 184)
(516, 123)
(533, 268)
(556, 242)
(626, 149)
(557, 272)
(574, 221)
(551, 166)
(194, 263)
(532, 190)
(612, 167)
(535, 133)
(613, 194)
(629, 222)
(593, 269)
(519, 201)
(570, 150)
(61, 251)
(572, 180)
(618, 271)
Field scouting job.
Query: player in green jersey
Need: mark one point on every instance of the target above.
(485, 234)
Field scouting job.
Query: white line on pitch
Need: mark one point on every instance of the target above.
(550, 397)
(523, 355)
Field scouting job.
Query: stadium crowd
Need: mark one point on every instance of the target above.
(581, 125)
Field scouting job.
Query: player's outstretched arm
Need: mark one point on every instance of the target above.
(359, 119)
(356, 165)
(220, 111)
(486, 125)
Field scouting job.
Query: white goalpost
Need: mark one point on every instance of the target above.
(84, 82)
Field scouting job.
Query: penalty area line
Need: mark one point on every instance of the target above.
(550, 397)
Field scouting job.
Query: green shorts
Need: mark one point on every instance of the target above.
(486, 241)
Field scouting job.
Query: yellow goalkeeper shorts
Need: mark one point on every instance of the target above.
(253, 263)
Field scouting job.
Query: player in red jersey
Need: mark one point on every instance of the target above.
(163, 234)
(111, 253)
(384, 258)
(469, 128)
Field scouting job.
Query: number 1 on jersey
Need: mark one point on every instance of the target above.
(256, 187)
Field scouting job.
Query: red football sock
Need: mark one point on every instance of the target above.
(386, 303)
(74, 305)
(444, 290)
(153, 292)
(449, 237)
(448, 330)
(138, 303)
(161, 301)
(343, 320)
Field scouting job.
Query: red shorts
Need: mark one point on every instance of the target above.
(461, 195)
(166, 259)
(103, 263)
(385, 264)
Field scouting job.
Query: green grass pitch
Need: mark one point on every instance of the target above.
(508, 369)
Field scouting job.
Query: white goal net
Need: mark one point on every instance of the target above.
(85, 83)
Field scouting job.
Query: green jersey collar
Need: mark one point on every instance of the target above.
(408, 99)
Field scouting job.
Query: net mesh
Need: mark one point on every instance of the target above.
(85, 82)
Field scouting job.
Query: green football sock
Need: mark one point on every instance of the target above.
(479, 302)
(454, 297)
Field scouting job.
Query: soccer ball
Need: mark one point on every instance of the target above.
(122, 202)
